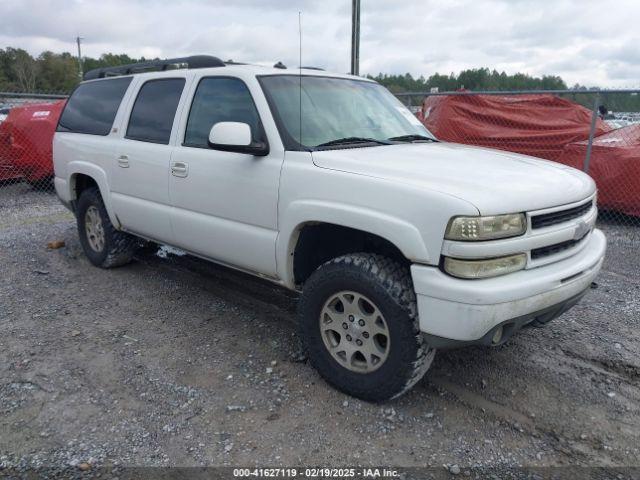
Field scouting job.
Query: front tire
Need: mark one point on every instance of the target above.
(103, 245)
(359, 326)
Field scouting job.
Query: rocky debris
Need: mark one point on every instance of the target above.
(236, 408)
(453, 469)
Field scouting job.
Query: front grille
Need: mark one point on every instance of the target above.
(553, 249)
(548, 219)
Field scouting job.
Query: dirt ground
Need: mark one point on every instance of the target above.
(176, 362)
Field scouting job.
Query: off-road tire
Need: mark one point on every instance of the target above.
(119, 247)
(388, 284)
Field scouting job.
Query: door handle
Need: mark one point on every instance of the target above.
(123, 161)
(179, 169)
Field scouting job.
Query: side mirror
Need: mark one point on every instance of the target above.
(235, 137)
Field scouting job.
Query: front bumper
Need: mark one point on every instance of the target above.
(466, 311)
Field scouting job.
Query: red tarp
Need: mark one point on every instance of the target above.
(614, 165)
(7, 171)
(26, 139)
(547, 127)
(537, 125)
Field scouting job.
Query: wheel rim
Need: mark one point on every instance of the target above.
(355, 332)
(94, 229)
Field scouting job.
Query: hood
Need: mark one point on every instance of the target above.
(493, 180)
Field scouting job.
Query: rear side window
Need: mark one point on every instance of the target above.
(220, 100)
(155, 108)
(93, 106)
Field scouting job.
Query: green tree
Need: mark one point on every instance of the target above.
(58, 72)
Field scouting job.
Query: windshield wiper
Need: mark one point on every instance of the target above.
(352, 141)
(412, 138)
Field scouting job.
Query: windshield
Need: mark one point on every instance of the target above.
(337, 111)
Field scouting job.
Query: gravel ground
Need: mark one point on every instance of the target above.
(176, 362)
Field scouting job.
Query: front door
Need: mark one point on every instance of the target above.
(225, 204)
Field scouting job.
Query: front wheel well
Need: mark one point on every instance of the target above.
(318, 243)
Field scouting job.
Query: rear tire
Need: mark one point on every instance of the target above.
(380, 353)
(103, 245)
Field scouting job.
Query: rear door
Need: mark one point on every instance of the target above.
(140, 195)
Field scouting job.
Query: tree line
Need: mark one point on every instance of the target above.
(49, 72)
(59, 72)
(483, 79)
(472, 79)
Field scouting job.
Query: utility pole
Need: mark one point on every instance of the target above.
(355, 37)
(78, 41)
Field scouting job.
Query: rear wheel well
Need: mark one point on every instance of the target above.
(81, 183)
(319, 243)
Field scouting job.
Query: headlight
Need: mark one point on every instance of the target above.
(484, 268)
(486, 228)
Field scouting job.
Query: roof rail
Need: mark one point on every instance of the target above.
(195, 61)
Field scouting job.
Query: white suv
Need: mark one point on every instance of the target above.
(325, 183)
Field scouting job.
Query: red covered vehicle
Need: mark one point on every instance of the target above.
(548, 127)
(26, 141)
(536, 125)
(8, 172)
(614, 165)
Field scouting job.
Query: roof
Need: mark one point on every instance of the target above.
(199, 63)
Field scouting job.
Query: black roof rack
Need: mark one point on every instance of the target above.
(195, 61)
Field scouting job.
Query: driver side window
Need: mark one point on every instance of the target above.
(220, 100)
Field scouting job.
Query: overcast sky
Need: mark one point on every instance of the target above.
(590, 42)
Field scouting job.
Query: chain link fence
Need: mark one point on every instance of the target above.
(27, 125)
(597, 131)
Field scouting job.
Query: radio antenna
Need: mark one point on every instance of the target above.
(300, 71)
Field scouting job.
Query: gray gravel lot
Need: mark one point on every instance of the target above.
(176, 362)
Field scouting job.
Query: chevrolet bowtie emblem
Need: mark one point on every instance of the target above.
(581, 230)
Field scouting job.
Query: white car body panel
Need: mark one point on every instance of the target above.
(474, 174)
(412, 219)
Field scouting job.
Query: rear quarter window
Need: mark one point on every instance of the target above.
(92, 106)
